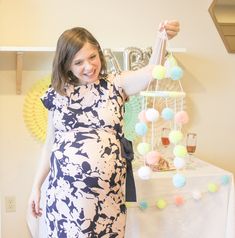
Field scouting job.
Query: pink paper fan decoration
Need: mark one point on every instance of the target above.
(181, 117)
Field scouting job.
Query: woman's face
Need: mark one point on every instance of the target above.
(86, 64)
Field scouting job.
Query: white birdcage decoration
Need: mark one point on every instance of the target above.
(160, 146)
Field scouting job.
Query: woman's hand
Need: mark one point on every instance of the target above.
(171, 27)
(34, 203)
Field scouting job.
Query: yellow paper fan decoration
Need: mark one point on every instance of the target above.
(34, 113)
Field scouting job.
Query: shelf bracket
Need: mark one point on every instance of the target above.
(19, 70)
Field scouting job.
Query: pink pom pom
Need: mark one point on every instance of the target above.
(142, 116)
(181, 117)
(153, 157)
(179, 200)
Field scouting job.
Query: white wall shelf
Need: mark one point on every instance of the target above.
(52, 49)
(20, 51)
(26, 49)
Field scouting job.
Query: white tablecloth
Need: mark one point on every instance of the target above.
(210, 217)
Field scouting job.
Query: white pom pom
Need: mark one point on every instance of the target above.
(179, 163)
(196, 194)
(151, 114)
(144, 172)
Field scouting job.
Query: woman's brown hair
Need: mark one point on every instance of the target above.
(69, 43)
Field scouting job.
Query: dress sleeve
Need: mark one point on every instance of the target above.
(48, 99)
(118, 86)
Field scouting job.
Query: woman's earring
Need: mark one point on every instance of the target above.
(72, 77)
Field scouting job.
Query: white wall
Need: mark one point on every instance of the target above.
(115, 23)
(208, 81)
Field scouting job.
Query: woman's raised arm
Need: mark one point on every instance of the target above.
(135, 81)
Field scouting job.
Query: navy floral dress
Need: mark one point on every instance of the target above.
(85, 197)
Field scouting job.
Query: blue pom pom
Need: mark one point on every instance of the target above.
(225, 179)
(179, 180)
(176, 73)
(167, 114)
(143, 205)
(141, 128)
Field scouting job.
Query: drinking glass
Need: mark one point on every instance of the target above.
(165, 136)
(191, 143)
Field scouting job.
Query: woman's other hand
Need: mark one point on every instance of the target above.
(34, 203)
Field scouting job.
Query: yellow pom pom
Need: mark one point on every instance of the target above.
(161, 204)
(143, 148)
(175, 136)
(180, 151)
(212, 187)
(159, 72)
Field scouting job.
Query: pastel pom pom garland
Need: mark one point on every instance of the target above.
(179, 199)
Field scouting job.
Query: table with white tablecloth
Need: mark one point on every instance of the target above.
(210, 214)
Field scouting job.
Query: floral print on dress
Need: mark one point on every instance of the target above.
(85, 197)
